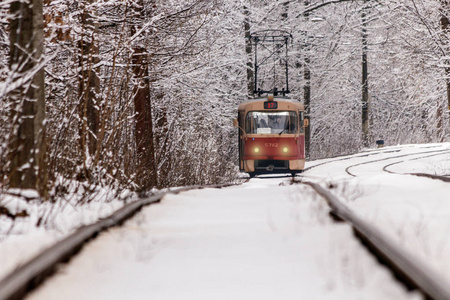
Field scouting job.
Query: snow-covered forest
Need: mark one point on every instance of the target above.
(141, 94)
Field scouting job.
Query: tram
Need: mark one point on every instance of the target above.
(271, 136)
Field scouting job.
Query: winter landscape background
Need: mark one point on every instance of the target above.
(140, 94)
(103, 101)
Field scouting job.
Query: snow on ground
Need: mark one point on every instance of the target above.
(414, 211)
(264, 239)
(21, 239)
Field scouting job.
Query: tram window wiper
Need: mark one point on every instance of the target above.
(282, 131)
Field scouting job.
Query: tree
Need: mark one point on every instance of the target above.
(365, 80)
(89, 83)
(307, 86)
(144, 123)
(248, 51)
(445, 26)
(185, 68)
(27, 147)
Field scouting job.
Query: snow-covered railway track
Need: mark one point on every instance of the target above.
(413, 273)
(421, 155)
(33, 273)
(348, 157)
(445, 178)
(367, 153)
(275, 233)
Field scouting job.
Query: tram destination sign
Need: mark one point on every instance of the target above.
(270, 105)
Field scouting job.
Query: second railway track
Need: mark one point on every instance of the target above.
(422, 155)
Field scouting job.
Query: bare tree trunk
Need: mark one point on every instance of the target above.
(248, 52)
(307, 88)
(365, 84)
(27, 147)
(445, 23)
(146, 170)
(89, 86)
(440, 121)
(163, 160)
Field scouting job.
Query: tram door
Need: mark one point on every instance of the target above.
(241, 120)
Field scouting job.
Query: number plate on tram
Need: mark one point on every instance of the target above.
(270, 105)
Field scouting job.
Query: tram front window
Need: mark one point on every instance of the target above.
(262, 122)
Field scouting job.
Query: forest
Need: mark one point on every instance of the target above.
(141, 94)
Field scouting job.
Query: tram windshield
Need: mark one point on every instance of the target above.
(262, 122)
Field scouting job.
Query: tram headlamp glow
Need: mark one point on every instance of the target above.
(256, 150)
(285, 149)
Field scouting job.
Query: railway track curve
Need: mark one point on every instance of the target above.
(422, 155)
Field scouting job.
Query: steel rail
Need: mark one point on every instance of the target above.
(32, 273)
(412, 271)
(432, 176)
(438, 177)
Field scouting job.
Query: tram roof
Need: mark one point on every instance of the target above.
(243, 105)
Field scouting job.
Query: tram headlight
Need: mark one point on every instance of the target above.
(285, 149)
(256, 150)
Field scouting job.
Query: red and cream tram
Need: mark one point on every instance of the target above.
(271, 136)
